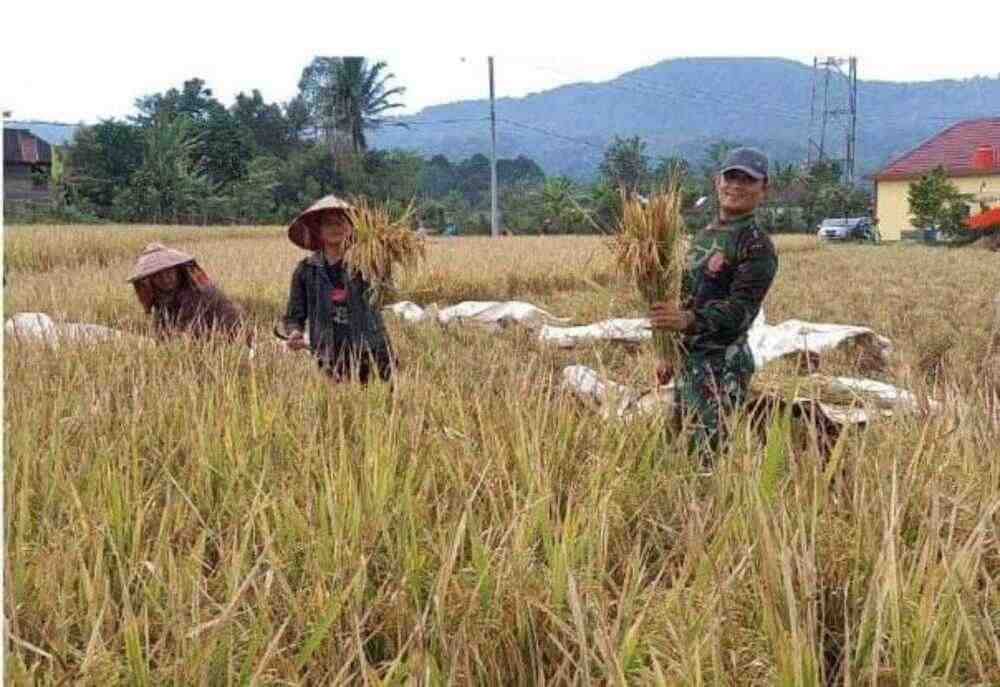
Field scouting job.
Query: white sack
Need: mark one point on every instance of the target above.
(767, 342)
(496, 313)
(612, 399)
(771, 342)
(619, 330)
(39, 327)
(886, 395)
(409, 311)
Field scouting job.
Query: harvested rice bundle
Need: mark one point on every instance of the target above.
(649, 247)
(382, 240)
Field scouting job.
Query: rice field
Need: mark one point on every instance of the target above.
(182, 514)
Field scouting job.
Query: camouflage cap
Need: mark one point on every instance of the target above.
(300, 231)
(749, 160)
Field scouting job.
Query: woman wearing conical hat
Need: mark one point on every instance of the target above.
(347, 336)
(177, 292)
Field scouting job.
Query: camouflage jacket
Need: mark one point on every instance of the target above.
(730, 267)
(341, 320)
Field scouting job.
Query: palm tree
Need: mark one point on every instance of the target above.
(560, 204)
(360, 98)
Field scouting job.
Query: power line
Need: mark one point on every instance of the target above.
(637, 86)
(433, 122)
(552, 134)
(723, 99)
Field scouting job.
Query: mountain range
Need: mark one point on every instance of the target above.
(681, 106)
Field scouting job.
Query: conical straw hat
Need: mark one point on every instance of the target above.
(156, 258)
(300, 230)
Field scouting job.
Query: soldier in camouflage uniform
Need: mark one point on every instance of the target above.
(730, 267)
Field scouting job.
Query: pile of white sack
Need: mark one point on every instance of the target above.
(614, 400)
(767, 342)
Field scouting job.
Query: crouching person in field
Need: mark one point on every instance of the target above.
(347, 335)
(181, 298)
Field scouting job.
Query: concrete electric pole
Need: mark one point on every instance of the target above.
(494, 224)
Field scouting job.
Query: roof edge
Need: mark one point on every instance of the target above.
(969, 172)
(924, 143)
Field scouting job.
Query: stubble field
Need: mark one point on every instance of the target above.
(183, 514)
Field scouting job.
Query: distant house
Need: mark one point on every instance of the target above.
(969, 152)
(27, 163)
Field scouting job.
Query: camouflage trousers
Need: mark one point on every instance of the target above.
(710, 387)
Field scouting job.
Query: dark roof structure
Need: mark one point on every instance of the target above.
(20, 146)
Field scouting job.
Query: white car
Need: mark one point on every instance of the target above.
(843, 228)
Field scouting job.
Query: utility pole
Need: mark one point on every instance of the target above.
(494, 225)
(826, 111)
(812, 115)
(853, 113)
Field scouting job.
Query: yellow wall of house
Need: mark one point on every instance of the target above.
(893, 209)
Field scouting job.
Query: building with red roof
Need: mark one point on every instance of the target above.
(969, 152)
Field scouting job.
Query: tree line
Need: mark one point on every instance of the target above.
(187, 158)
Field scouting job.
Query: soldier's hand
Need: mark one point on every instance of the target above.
(670, 317)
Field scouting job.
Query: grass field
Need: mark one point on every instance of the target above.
(183, 515)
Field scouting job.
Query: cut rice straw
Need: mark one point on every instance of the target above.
(820, 388)
(382, 241)
(649, 247)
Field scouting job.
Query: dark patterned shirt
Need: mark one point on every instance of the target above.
(343, 325)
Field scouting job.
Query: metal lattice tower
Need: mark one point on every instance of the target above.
(833, 112)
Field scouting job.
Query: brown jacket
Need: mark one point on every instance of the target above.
(200, 312)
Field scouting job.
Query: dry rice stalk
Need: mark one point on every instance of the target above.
(381, 242)
(819, 387)
(649, 247)
(814, 387)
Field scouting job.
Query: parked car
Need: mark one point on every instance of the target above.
(846, 228)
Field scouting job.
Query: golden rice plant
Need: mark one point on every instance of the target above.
(156, 535)
(648, 247)
(382, 241)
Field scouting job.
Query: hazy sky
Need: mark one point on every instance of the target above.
(81, 61)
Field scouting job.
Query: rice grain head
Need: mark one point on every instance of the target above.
(649, 248)
(383, 241)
